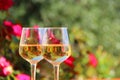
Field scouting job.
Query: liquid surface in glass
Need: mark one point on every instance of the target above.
(56, 53)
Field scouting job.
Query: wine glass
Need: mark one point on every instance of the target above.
(30, 47)
(56, 47)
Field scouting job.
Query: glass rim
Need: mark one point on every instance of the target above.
(55, 27)
(45, 28)
(32, 28)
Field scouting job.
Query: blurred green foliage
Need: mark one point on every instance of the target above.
(98, 18)
(91, 23)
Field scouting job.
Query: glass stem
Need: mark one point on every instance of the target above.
(56, 72)
(33, 71)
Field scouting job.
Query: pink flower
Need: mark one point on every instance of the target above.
(70, 61)
(92, 60)
(5, 4)
(23, 77)
(3, 62)
(17, 30)
(5, 67)
(7, 70)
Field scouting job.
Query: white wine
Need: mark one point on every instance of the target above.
(32, 53)
(56, 53)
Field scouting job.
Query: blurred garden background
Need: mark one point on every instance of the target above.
(94, 29)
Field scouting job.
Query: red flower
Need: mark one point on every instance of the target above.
(14, 29)
(23, 77)
(5, 67)
(36, 26)
(28, 31)
(52, 38)
(5, 4)
(92, 60)
(7, 31)
(7, 23)
(70, 61)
